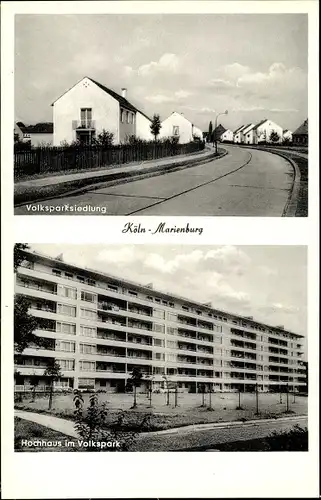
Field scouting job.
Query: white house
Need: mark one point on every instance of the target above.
(250, 136)
(40, 134)
(88, 108)
(287, 135)
(176, 125)
(227, 136)
(264, 129)
(237, 135)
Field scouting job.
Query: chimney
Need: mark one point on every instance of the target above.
(124, 92)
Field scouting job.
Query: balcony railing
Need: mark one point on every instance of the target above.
(84, 124)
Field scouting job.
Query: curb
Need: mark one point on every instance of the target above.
(293, 199)
(81, 186)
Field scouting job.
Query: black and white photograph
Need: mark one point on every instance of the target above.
(161, 114)
(160, 348)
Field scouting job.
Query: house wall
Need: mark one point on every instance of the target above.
(41, 139)
(185, 128)
(250, 137)
(265, 130)
(143, 127)
(238, 137)
(85, 94)
(197, 132)
(288, 135)
(126, 129)
(227, 136)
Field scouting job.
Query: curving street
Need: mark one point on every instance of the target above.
(243, 183)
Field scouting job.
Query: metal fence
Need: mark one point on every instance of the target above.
(42, 160)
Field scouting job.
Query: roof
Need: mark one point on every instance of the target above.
(248, 127)
(122, 101)
(219, 130)
(303, 129)
(239, 129)
(39, 128)
(259, 124)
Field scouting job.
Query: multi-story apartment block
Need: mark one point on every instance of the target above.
(100, 327)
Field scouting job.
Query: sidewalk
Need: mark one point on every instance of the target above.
(39, 189)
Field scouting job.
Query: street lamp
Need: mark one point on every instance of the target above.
(215, 126)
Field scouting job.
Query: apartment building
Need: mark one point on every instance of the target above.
(99, 327)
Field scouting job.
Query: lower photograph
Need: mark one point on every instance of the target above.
(160, 348)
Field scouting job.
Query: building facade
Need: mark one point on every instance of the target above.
(227, 136)
(99, 327)
(264, 129)
(300, 136)
(179, 127)
(89, 107)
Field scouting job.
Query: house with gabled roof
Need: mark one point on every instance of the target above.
(176, 125)
(301, 134)
(88, 108)
(227, 136)
(239, 133)
(264, 129)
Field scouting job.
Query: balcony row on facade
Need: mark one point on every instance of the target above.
(114, 291)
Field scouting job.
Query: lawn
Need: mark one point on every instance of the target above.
(189, 410)
(32, 432)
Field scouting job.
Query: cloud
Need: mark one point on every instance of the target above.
(167, 62)
(182, 94)
(278, 76)
(220, 84)
(234, 70)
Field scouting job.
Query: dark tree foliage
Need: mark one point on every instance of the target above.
(18, 254)
(24, 326)
(155, 126)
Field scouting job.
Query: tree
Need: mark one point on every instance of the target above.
(53, 372)
(104, 139)
(24, 326)
(18, 254)
(202, 390)
(155, 126)
(274, 136)
(134, 382)
(210, 132)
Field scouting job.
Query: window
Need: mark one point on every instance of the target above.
(165, 302)
(87, 348)
(127, 116)
(159, 356)
(56, 272)
(171, 344)
(175, 130)
(114, 288)
(122, 115)
(149, 298)
(158, 342)
(171, 357)
(69, 275)
(86, 117)
(81, 279)
(66, 310)
(66, 291)
(158, 313)
(172, 331)
(88, 297)
(171, 317)
(158, 370)
(87, 366)
(171, 304)
(185, 308)
(66, 364)
(62, 345)
(88, 313)
(158, 328)
(86, 383)
(68, 328)
(87, 331)
(130, 292)
(157, 300)
(91, 282)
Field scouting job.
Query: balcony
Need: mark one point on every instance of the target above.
(83, 124)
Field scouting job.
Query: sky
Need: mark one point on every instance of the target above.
(266, 282)
(255, 66)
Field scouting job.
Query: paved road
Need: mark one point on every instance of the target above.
(209, 437)
(244, 183)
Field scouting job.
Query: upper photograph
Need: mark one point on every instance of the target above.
(168, 115)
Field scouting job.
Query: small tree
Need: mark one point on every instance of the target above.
(202, 390)
(24, 326)
(53, 372)
(104, 139)
(210, 132)
(18, 254)
(274, 136)
(134, 381)
(155, 126)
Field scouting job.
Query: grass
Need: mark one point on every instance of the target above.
(189, 412)
(30, 431)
